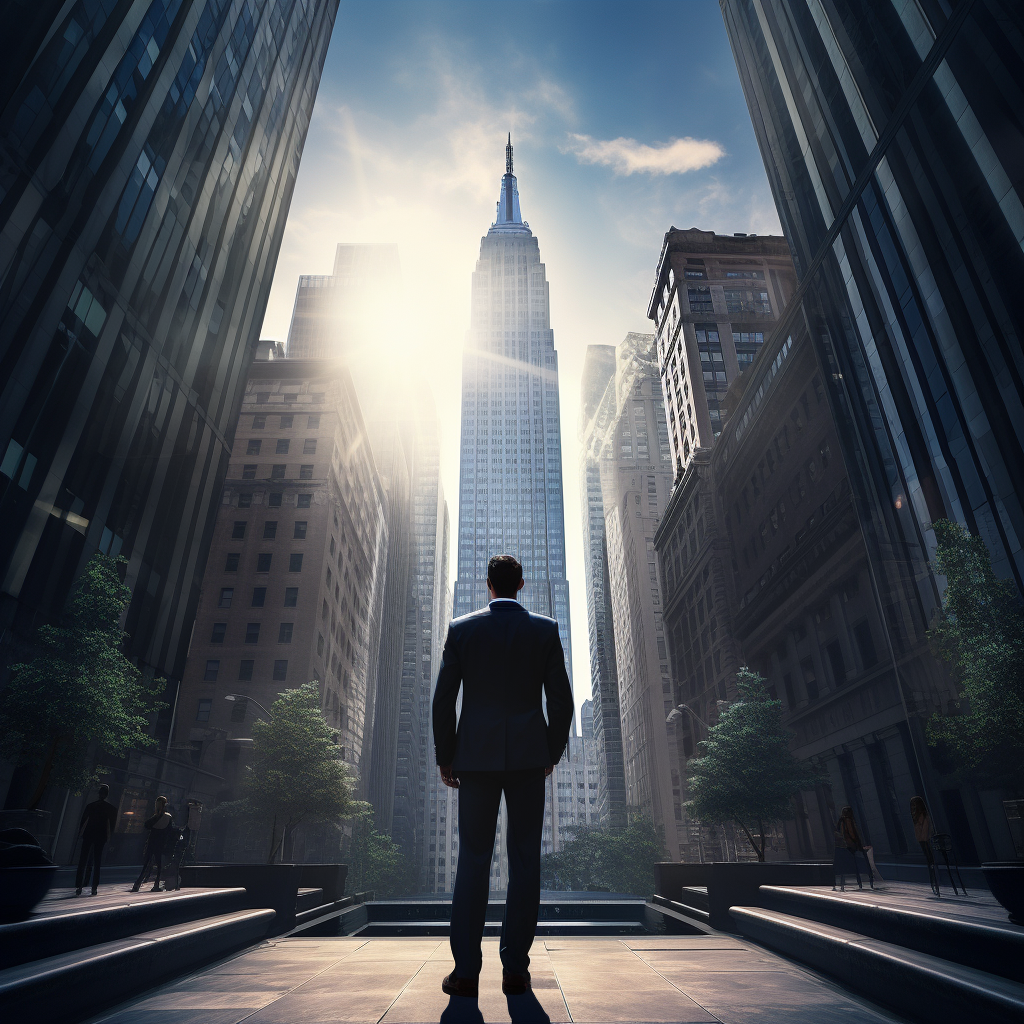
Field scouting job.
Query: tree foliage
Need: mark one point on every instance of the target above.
(296, 774)
(980, 630)
(745, 772)
(79, 693)
(376, 863)
(593, 858)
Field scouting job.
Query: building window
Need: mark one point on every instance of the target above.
(865, 644)
(275, 501)
(305, 472)
(696, 275)
(291, 597)
(295, 563)
(203, 710)
(249, 471)
(259, 596)
(263, 563)
(305, 500)
(212, 670)
(300, 530)
(286, 422)
(282, 446)
(835, 657)
(277, 472)
(259, 421)
(245, 500)
(231, 564)
(754, 275)
(252, 633)
(747, 302)
(219, 629)
(309, 446)
(226, 594)
(280, 670)
(284, 633)
(262, 397)
(238, 530)
(270, 529)
(314, 422)
(253, 448)
(700, 300)
(245, 669)
(810, 678)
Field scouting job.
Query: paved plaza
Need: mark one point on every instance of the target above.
(679, 979)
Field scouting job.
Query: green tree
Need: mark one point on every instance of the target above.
(980, 631)
(79, 694)
(745, 772)
(376, 863)
(594, 858)
(296, 774)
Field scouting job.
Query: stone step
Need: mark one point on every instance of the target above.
(918, 985)
(307, 899)
(995, 948)
(68, 925)
(75, 984)
(442, 927)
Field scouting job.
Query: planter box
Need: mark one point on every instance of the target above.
(273, 886)
(38, 823)
(1006, 880)
(329, 877)
(22, 888)
(736, 883)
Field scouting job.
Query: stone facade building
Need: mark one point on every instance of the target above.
(294, 580)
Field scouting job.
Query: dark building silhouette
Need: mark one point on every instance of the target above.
(148, 154)
(893, 148)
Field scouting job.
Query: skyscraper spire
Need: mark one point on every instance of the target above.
(508, 217)
(508, 155)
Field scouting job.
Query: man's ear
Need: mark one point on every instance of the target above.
(522, 583)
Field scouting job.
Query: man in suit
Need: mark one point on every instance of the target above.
(503, 658)
(95, 829)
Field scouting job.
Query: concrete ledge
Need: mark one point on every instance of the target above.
(917, 985)
(992, 948)
(74, 985)
(51, 934)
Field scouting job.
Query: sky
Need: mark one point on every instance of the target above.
(627, 118)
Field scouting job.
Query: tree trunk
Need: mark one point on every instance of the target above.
(44, 777)
(750, 839)
(273, 841)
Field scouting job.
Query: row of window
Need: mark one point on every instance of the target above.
(252, 632)
(263, 562)
(239, 526)
(263, 398)
(259, 597)
(259, 421)
(254, 445)
(274, 500)
(277, 472)
(245, 671)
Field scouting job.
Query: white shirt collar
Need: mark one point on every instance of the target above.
(495, 600)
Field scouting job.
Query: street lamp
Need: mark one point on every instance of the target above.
(241, 696)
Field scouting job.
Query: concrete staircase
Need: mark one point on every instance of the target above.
(76, 956)
(927, 964)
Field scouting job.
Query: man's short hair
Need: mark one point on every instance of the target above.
(505, 574)
(103, 791)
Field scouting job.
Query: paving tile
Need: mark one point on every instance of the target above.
(268, 981)
(717, 960)
(390, 949)
(171, 999)
(163, 1016)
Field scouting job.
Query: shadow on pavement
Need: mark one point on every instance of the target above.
(526, 1009)
(461, 1010)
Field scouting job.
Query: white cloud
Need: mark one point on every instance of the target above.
(627, 156)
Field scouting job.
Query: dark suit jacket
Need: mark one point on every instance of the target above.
(503, 657)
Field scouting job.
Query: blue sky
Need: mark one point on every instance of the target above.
(626, 118)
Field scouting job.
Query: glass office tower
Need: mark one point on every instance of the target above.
(510, 486)
(892, 139)
(148, 153)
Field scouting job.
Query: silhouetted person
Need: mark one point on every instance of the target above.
(160, 832)
(923, 834)
(95, 830)
(503, 658)
(851, 838)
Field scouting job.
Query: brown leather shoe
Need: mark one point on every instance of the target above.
(515, 984)
(453, 986)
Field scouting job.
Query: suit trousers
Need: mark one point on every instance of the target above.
(479, 801)
(94, 848)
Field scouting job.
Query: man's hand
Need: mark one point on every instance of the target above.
(547, 771)
(449, 779)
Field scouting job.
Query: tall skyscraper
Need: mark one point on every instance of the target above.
(510, 484)
(892, 145)
(597, 411)
(148, 154)
(636, 478)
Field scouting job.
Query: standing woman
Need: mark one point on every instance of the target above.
(848, 827)
(923, 834)
(159, 826)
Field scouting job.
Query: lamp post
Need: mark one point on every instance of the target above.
(241, 696)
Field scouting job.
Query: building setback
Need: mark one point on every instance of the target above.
(148, 154)
(294, 580)
(636, 478)
(595, 418)
(895, 175)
